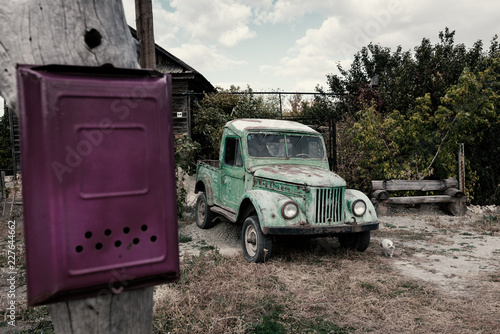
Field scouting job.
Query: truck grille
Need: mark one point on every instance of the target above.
(329, 203)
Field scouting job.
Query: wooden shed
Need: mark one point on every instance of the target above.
(188, 85)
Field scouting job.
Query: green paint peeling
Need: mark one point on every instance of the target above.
(265, 164)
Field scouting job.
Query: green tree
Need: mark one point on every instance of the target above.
(394, 80)
(470, 114)
(216, 109)
(5, 142)
(423, 142)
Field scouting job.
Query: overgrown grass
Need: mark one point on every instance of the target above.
(306, 287)
(313, 290)
(488, 224)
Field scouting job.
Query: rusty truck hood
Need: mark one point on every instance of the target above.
(300, 174)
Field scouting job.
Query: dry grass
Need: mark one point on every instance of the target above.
(488, 224)
(307, 287)
(314, 290)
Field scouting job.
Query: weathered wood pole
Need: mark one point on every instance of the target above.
(145, 33)
(79, 32)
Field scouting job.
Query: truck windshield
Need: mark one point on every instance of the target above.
(273, 145)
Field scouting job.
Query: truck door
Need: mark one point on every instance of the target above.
(232, 174)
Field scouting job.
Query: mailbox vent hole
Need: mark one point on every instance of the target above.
(136, 241)
(126, 230)
(79, 249)
(118, 243)
(107, 232)
(153, 238)
(93, 38)
(88, 234)
(98, 246)
(144, 228)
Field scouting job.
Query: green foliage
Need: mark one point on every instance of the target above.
(186, 151)
(215, 110)
(423, 142)
(402, 76)
(5, 142)
(411, 125)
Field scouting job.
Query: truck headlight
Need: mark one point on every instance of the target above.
(289, 210)
(358, 207)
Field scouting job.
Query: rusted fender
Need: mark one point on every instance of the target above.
(204, 180)
(370, 215)
(268, 207)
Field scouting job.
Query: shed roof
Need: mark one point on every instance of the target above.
(168, 63)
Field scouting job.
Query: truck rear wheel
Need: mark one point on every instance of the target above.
(356, 241)
(256, 245)
(204, 217)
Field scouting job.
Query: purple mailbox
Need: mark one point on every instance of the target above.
(98, 180)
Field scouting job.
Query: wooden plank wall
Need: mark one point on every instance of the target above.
(181, 107)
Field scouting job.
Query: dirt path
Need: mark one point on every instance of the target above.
(458, 254)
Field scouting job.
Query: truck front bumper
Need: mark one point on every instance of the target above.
(313, 230)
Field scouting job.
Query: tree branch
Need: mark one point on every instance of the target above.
(441, 144)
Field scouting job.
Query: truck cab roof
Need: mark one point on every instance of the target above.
(241, 126)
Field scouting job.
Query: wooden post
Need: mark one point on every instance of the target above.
(461, 167)
(82, 32)
(127, 312)
(145, 33)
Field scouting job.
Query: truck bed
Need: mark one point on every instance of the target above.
(211, 163)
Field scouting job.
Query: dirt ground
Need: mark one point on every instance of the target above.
(460, 255)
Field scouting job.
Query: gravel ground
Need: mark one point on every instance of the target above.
(450, 252)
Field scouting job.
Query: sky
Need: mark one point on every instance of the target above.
(291, 45)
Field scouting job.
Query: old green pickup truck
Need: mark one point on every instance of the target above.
(273, 176)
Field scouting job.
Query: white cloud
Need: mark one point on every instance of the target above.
(221, 21)
(219, 38)
(129, 8)
(234, 36)
(285, 10)
(204, 58)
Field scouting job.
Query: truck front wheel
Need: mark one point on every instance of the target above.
(356, 241)
(256, 245)
(204, 217)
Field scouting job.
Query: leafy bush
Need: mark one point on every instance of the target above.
(5, 143)
(451, 96)
(216, 109)
(186, 151)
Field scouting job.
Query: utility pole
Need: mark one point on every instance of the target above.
(35, 32)
(145, 33)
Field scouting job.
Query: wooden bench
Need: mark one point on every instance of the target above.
(451, 197)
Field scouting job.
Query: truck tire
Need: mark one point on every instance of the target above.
(204, 217)
(364, 241)
(355, 241)
(256, 245)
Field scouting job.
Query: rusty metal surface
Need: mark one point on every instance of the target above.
(241, 126)
(301, 175)
(320, 230)
(264, 184)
